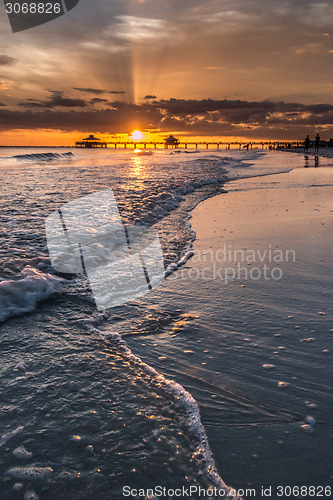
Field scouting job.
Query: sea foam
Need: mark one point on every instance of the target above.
(22, 295)
(9, 435)
(30, 473)
(187, 403)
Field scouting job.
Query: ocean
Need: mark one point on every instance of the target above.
(91, 401)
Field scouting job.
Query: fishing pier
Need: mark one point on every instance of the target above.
(93, 142)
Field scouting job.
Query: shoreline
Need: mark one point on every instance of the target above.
(188, 250)
(248, 351)
(208, 238)
(193, 333)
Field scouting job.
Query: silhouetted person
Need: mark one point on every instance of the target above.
(317, 144)
(306, 144)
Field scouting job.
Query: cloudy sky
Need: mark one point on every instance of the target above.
(240, 68)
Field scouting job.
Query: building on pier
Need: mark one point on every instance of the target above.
(171, 141)
(91, 142)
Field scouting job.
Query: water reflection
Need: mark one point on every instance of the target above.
(307, 162)
(138, 169)
(316, 161)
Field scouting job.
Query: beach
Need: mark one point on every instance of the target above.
(255, 349)
(207, 380)
(166, 234)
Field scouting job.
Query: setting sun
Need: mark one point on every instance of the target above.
(137, 135)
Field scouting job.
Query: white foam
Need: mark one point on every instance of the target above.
(22, 295)
(176, 265)
(10, 435)
(30, 473)
(185, 400)
(22, 453)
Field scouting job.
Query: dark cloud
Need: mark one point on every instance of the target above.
(257, 119)
(111, 120)
(98, 91)
(320, 108)
(120, 105)
(97, 100)
(184, 107)
(57, 100)
(2, 104)
(150, 96)
(6, 60)
(89, 90)
(31, 104)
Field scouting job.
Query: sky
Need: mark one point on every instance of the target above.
(252, 69)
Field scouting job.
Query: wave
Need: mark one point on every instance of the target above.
(185, 152)
(152, 202)
(184, 400)
(43, 156)
(159, 200)
(141, 152)
(22, 295)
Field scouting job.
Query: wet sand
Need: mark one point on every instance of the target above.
(279, 330)
(268, 209)
(256, 353)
